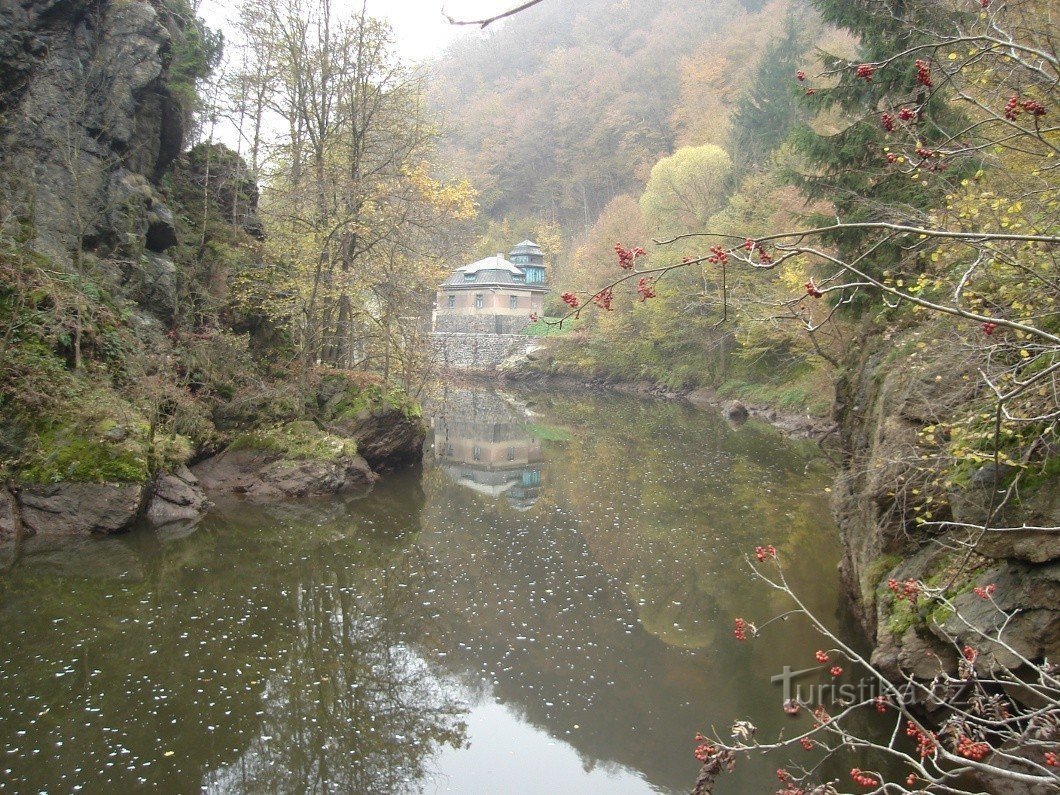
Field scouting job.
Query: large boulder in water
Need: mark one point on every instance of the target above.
(78, 508)
(385, 423)
(294, 460)
(177, 497)
(387, 437)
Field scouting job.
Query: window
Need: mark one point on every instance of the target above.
(476, 453)
(479, 302)
(513, 302)
(511, 453)
(520, 259)
(452, 302)
(469, 277)
(535, 275)
(519, 277)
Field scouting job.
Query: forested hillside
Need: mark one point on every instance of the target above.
(600, 122)
(569, 105)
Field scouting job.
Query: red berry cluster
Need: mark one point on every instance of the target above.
(923, 73)
(811, 289)
(717, 256)
(924, 153)
(571, 300)
(892, 157)
(925, 741)
(881, 703)
(645, 288)
(704, 750)
(910, 589)
(864, 779)
(969, 654)
(740, 629)
(604, 298)
(764, 256)
(984, 3)
(906, 114)
(888, 122)
(1034, 107)
(765, 552)
(985, 592)
(800, 75)
(1014, 107)
(533, 317)
(866, 71)
(822, 716)
(822, 656)
(1052, 759)
(970, 749)
(783, 775)
(807, 743)
(910, 780)
(835, 670)
(628, 256)
(989, 328)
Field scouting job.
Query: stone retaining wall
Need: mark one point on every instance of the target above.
(476, 352)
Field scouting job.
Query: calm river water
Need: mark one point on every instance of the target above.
(546, 608)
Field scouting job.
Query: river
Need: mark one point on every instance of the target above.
(546, 608)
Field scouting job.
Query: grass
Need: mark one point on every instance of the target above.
(543, 327)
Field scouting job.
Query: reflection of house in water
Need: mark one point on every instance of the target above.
(482, 444)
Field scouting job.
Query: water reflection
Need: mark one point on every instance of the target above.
(548, 608)
(482, 443)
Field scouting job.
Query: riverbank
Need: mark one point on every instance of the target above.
(797, 425)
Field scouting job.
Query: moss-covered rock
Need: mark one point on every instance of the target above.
(296, 459)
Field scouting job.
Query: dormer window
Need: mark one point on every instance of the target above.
(469, 277)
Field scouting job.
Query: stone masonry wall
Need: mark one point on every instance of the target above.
(476, 352)
(480, 324)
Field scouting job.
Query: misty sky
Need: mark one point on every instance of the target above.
(419, 25)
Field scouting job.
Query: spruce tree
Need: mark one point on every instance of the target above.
(850, 168)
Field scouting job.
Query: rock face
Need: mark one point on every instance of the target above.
(177, 497)
(88, 117)
(881, 411)
(79, 508)
(264, 475)
(386, 436)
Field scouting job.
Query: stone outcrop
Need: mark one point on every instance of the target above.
(881, 411)
(263, 475)
(79, 508)
(387, 437)
(89, 120)
(176, 497)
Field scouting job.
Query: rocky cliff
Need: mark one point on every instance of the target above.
(122, 359)
(904, 503)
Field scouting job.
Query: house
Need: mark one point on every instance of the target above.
(494, 295)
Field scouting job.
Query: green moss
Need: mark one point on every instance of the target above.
(297, 441)
(64, 456)
(374, 397)
(874, 574)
